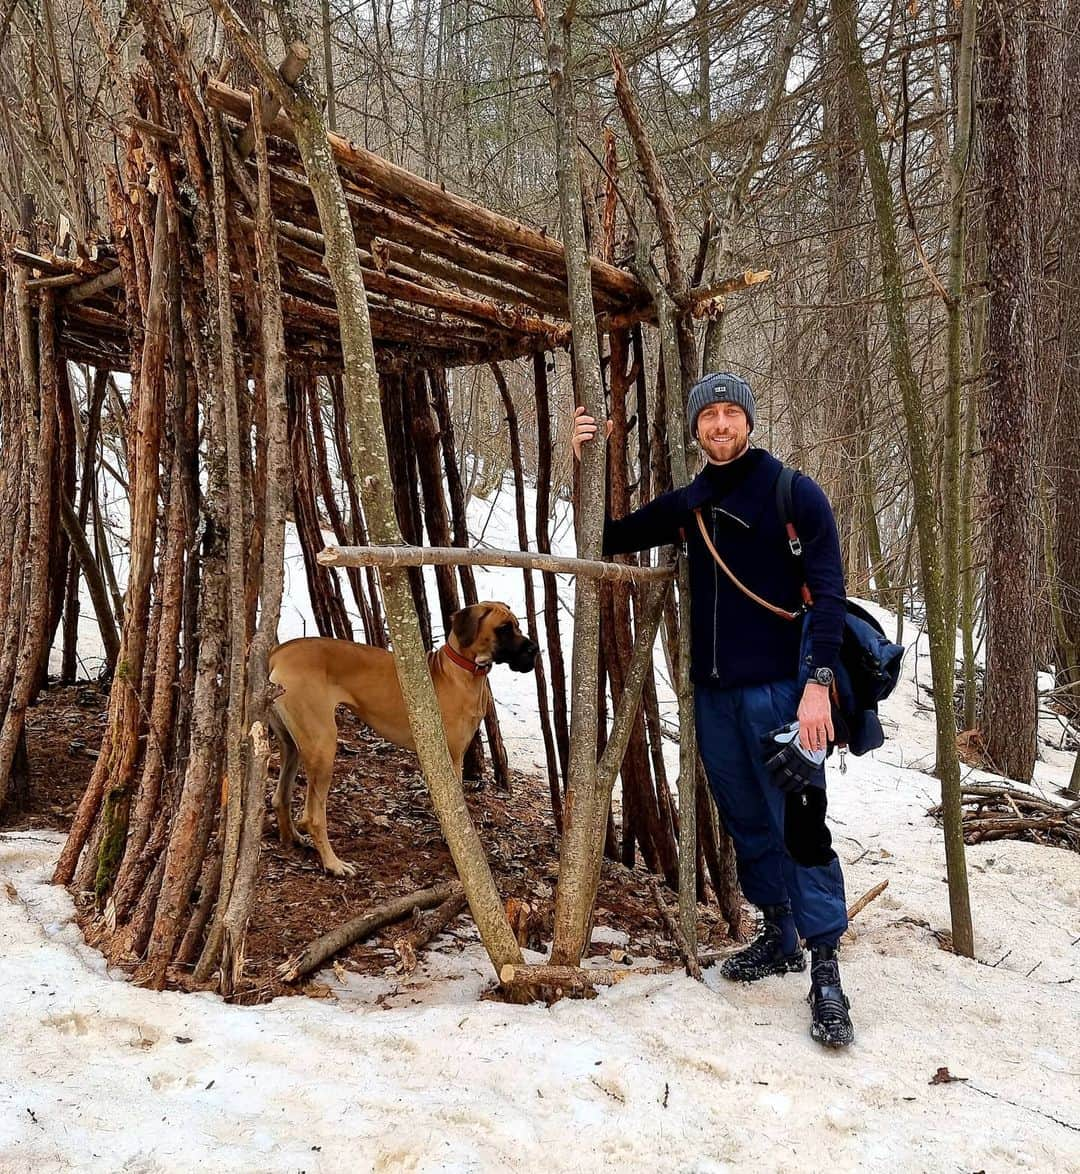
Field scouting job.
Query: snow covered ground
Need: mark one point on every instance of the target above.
(659, 1073)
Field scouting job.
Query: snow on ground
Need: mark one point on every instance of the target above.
(659, 1073)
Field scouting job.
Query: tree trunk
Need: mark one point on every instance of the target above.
(942, 639)
(543, 544)
(585, 815)
(371, 465)
(1063, 459)
(530, 596)
(1009, 418)
(40, 420)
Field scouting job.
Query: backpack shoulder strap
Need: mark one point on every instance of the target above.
(785, 509)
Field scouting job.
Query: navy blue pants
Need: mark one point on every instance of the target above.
(783, 850)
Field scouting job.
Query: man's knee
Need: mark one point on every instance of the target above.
(806, 835)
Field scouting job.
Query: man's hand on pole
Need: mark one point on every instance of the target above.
(584, 429)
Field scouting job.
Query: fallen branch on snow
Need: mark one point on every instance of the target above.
(870, 895)
(689, 957)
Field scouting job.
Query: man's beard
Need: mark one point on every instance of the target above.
(713, 460)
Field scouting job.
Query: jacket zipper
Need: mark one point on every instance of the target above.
(735, 517)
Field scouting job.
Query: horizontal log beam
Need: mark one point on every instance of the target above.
(415, 290)
(57, 281)
(708, 301)
(96, 285)
(423, 556)
(490, 229)
(152, 130)
(371, 221)
(48, 265)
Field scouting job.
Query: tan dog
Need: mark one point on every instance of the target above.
(318, 674)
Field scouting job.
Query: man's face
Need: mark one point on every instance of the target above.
(723, 432)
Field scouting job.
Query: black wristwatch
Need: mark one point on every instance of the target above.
(823, 676)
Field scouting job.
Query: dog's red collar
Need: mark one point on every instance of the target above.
(463, 662)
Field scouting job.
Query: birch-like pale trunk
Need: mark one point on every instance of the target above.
(942, 639)
(371, 465)
(581, 849)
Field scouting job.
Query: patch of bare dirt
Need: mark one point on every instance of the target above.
(63, 733)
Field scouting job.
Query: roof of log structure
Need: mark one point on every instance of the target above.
(449, 283)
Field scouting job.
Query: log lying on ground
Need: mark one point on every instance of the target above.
(360, 927)
(571, 980)
(427, 927)
(421, 556)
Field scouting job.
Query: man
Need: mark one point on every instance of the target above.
(749, 683)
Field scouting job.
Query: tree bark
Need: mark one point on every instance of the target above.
(40, 421)
(1009, 420)
(582, 843)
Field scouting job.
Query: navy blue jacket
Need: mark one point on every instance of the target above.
(736, 641)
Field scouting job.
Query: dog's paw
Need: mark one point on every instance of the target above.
(339, 868)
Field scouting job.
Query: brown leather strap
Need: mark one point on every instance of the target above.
(777, 611)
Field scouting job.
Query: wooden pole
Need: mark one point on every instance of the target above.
(371, 465)
(418, 556)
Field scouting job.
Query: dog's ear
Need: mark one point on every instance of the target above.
(466, 623)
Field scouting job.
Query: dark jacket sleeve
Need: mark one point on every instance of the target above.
(824, 569)
(655, 524)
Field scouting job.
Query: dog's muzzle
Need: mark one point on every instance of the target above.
(521, 657)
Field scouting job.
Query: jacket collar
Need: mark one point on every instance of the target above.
(747, 500)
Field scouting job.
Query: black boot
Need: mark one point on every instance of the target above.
(765, 954)
(830, 1022)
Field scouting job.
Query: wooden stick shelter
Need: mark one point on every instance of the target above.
(218, 291)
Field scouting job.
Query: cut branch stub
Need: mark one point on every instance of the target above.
(291, 68)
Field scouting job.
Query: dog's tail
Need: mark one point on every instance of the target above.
(279, 724)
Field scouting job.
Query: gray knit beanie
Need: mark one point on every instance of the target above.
(719, 388)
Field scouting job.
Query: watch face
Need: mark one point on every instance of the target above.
(823, 676)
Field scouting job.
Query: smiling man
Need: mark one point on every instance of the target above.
(764, 718)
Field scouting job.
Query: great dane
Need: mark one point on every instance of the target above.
(317, 674)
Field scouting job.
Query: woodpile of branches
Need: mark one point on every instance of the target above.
(1008, 813)
(449, 283)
